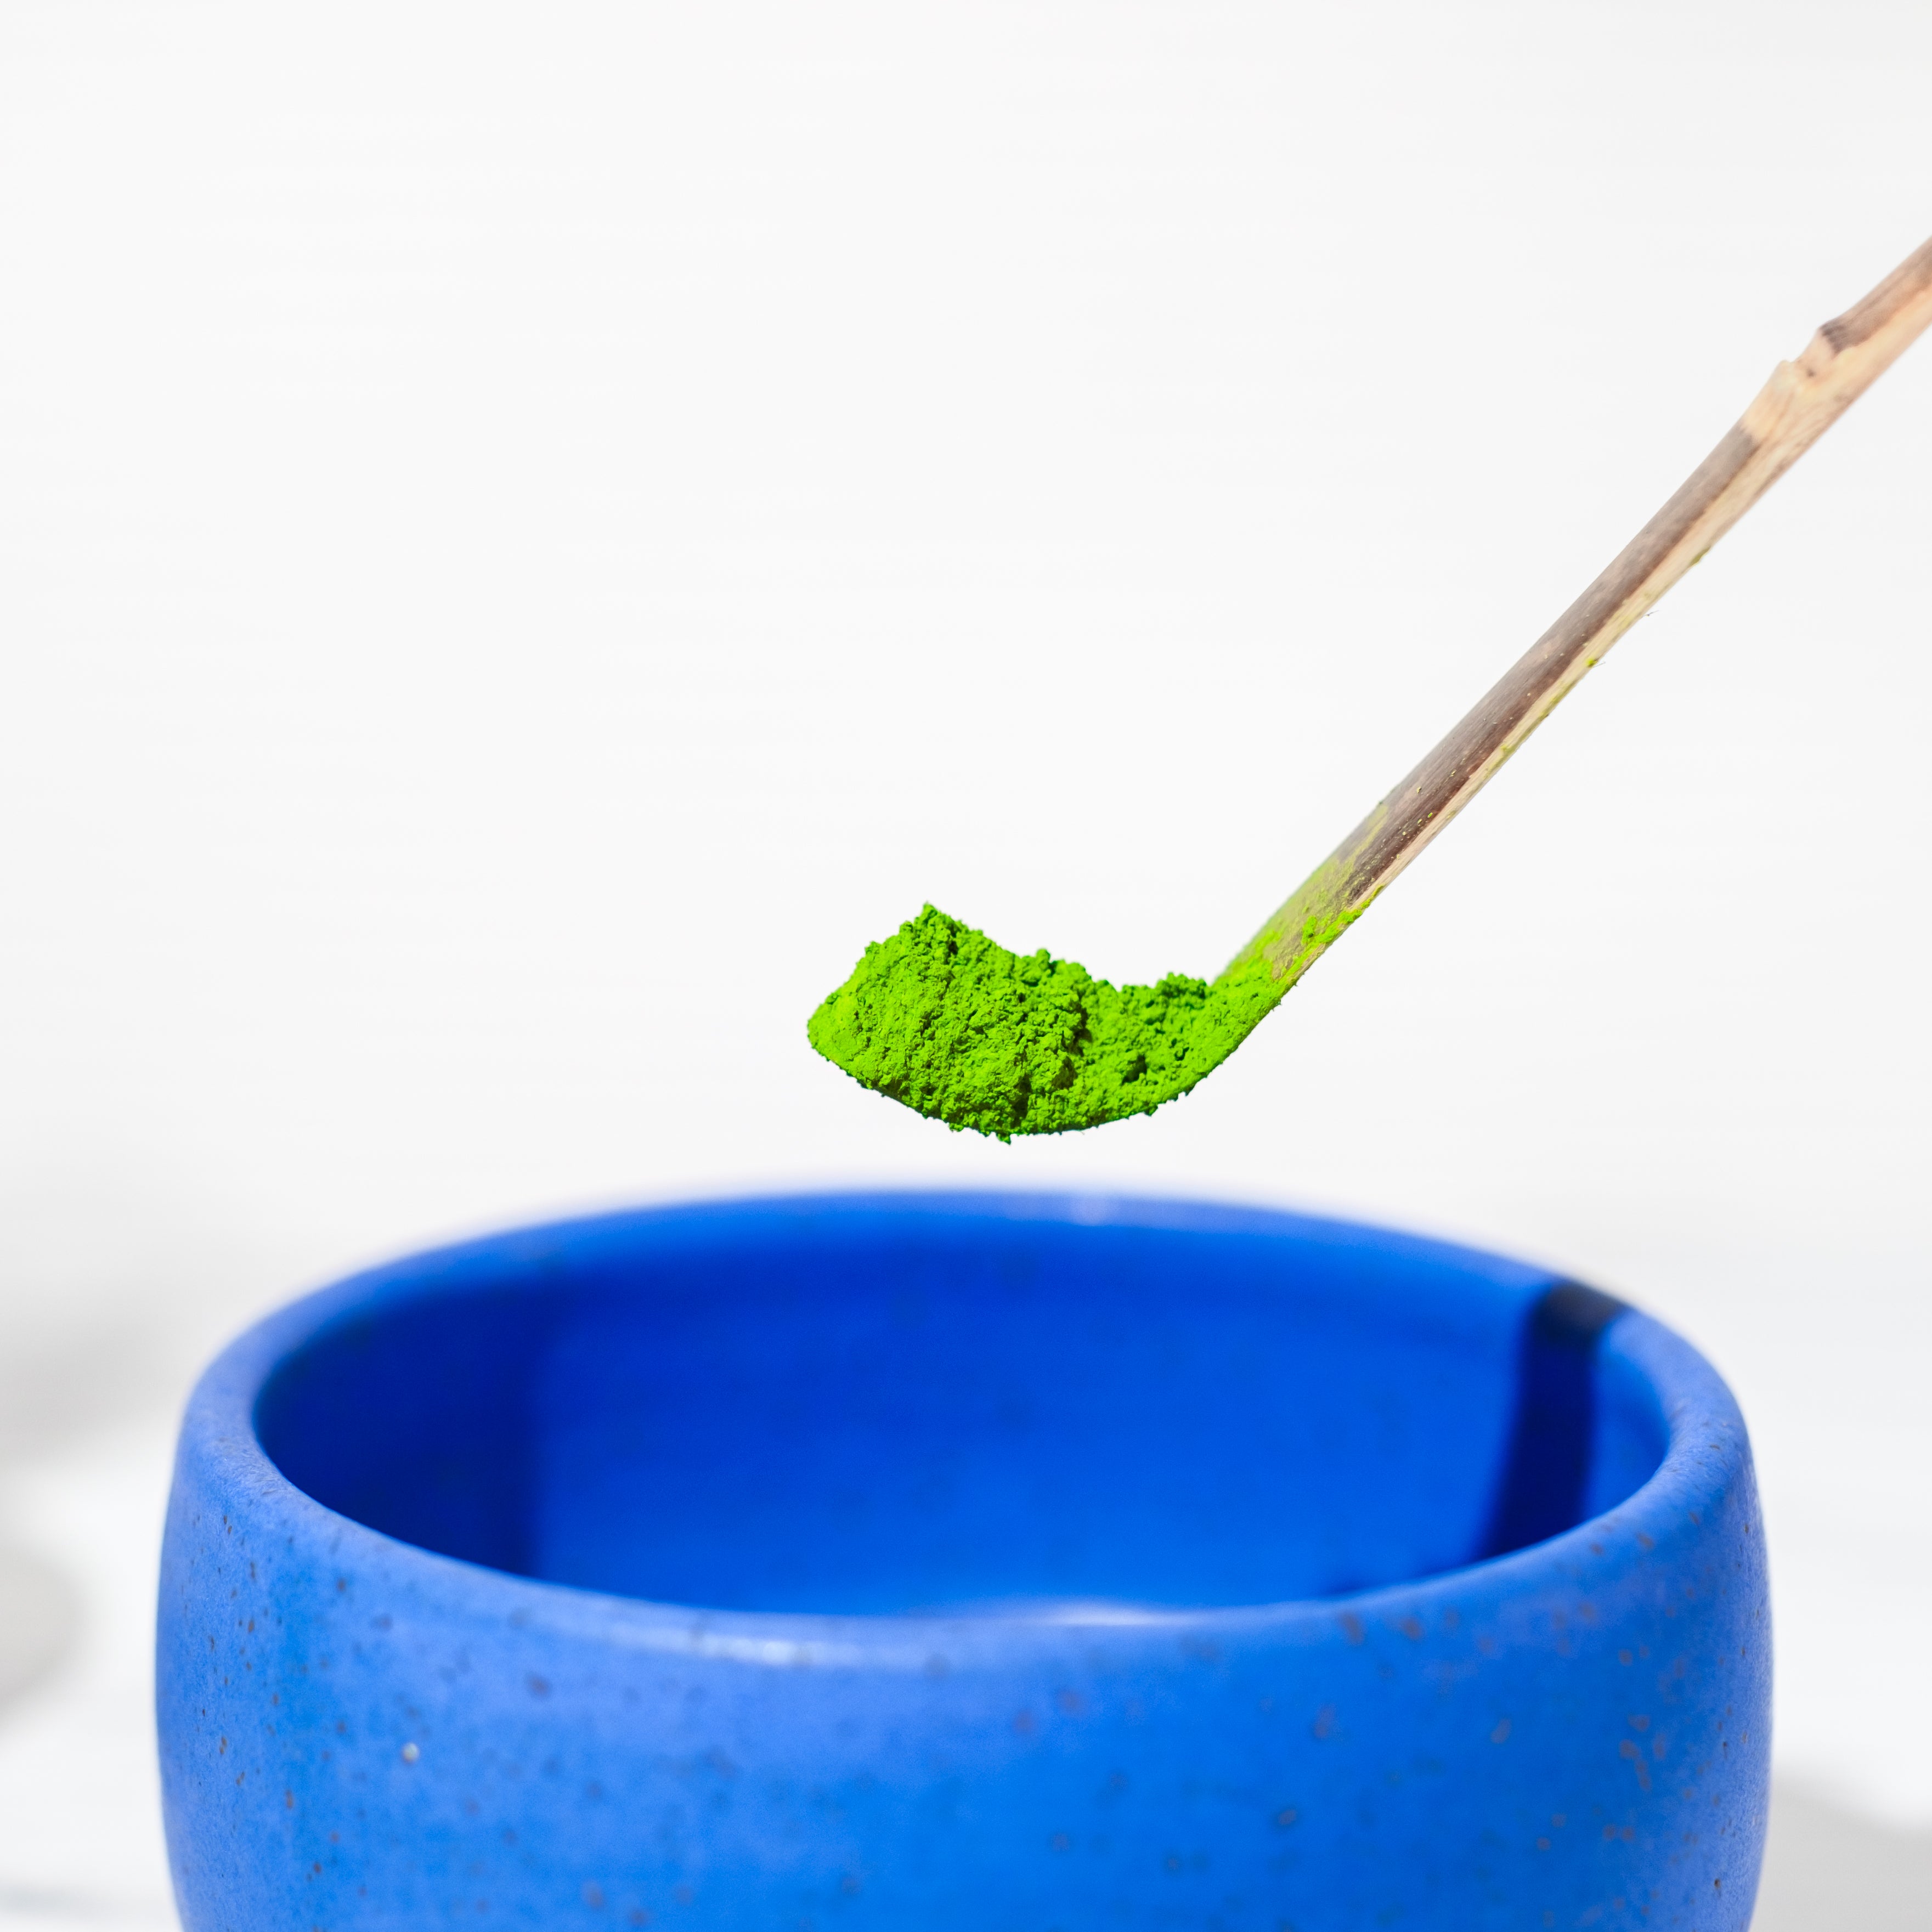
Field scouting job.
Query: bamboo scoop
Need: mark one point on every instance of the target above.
(940, 1019)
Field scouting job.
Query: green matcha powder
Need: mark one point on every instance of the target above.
(944, 1021)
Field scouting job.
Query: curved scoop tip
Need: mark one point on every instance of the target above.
(948, 1022)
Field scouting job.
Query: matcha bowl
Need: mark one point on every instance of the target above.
(922, 1562)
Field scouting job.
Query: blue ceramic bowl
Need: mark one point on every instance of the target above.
(913, 1563)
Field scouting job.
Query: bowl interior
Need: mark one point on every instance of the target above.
(892, 1411)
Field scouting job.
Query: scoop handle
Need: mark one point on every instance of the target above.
(1802, 400)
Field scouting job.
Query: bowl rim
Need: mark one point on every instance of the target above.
(1708, 1449)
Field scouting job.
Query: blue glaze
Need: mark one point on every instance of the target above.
(1063, 1563)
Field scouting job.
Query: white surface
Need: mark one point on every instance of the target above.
(532, 533)
(78, 1788)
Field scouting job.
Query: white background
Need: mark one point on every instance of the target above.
(533, 533)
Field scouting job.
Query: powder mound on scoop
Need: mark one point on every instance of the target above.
(946, 1022)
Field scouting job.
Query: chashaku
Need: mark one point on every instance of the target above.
(944, 1020)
